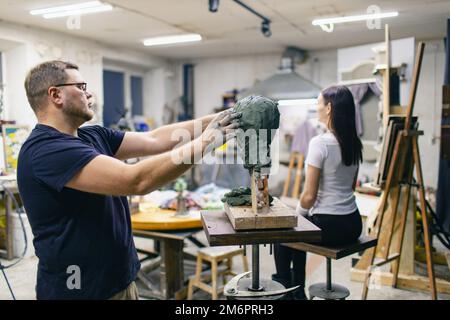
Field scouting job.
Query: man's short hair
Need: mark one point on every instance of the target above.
(42, 77)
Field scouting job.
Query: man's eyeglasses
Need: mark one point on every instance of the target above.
(80, 85)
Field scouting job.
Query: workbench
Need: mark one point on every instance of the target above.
(219, 232)
(169, 233)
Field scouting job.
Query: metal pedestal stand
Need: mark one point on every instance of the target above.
(240, 288)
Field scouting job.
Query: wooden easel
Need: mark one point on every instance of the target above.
(400, 167)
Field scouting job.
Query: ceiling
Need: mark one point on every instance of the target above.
(233, 30)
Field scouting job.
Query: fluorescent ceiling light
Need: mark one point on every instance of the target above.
(66, 8)
(362, 17)
(73, 9)
(297, 102)
(78, 12)
(157, 41)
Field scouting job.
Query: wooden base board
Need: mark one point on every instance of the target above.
(279, 216)
(404, 281)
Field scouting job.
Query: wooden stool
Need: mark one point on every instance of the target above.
(329, 290)
(214, 255)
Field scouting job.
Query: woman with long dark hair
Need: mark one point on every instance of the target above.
(327, 199)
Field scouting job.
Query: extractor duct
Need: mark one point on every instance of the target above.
(286, 84)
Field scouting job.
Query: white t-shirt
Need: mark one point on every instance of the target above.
(335, 194)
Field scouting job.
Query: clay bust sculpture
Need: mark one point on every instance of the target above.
(260, 118)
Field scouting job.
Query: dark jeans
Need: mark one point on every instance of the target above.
(336, 230)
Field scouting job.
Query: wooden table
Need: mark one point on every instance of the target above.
(151, 218)
(172, 282)
(170, 232)
(220, 232)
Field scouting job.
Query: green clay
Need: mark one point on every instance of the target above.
(240, 197)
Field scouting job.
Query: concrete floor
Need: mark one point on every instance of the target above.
(22, 277)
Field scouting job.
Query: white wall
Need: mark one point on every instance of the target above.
(428, 108)
(15, 101)
(35, 45)
(214, 77)
(155, 90)
(321, 67)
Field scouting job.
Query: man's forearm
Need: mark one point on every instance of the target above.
(193, 128)
(206, 120)
(108, 176)
(157, 171)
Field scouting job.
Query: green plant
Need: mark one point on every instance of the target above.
(180, 185)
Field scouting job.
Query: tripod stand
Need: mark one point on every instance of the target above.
(2, 268)
(20, 211)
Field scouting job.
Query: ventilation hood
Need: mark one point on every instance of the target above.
(286, 84)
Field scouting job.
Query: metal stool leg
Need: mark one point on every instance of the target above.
(328, 290)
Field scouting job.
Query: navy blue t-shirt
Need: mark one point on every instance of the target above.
(72, 228)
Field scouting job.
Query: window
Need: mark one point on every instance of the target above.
(113, 97)
(136, 96)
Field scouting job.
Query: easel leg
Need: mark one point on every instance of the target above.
(365, 290)
(389, 181)
(396, 264)
(288, 178)
(423, 209)
(298, 177)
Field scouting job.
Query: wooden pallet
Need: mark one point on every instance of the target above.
(279, 216)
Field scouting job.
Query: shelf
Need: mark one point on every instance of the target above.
(380, 68)
(357, 81)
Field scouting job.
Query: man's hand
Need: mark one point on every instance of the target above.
(221, 129)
